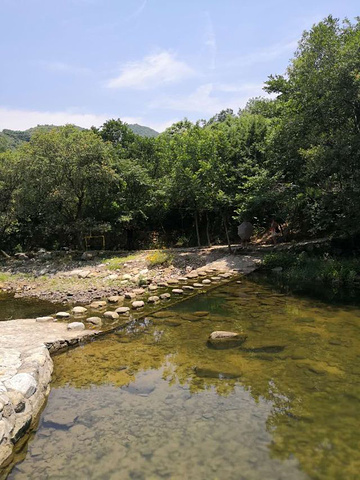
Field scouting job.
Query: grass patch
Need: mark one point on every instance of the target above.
(159, 258)
(5, 277)
(116, 263)
(301, 268)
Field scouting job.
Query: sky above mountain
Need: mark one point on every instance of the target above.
(151, 62)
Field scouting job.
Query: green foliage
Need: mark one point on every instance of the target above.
(302, 268)
(116, 263)
(159, 258)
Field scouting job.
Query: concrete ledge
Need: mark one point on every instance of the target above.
(25, 374)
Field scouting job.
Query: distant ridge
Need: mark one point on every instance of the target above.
(10, 139)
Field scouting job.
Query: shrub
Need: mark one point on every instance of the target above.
(159, 258)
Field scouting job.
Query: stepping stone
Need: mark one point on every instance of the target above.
(44, 319)
(201, 313)
(112, 315)
(130, 295)
(95, 321)
(172, 282)
(202, 274)
(164, 314)
(137, 304)
(76, 326)
(206, 281)
(79, 310)
(197, 285)
(62, 315)
(115, 299)
(178, 291)
(222, 340)
(139, 291)
(122, 310)
(215, 279)
(162, 284)
(99, 304)
(188, 287)
(153, 299)
(192, 275)
(182, 279)
(165, 296)
(152, 288)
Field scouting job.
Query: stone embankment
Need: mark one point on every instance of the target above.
(26, 345)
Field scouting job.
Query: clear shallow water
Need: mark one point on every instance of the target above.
(12, 308)
(156, 402)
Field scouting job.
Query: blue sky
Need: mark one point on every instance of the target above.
(151, 62)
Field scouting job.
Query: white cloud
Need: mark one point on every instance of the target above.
(204, 101)
(152, 71)
(14, 119)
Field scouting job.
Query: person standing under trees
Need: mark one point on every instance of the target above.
(275, 230)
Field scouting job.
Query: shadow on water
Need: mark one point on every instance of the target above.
(156, 402)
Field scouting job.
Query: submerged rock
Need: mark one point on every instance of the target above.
(205, 372)
(60, 419)
(265, 349)
(164, 314)
(201, 313)
(222, 340)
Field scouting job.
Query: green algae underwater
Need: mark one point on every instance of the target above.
(154, 401)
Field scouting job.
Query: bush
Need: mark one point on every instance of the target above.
(159, 258)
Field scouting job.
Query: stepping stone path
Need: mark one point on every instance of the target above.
(79, 310)
(197, 285)
(178, 291)
(165, 296)
(76, 326)
(112, 315)
(122, 310)
(62, 315)
(45, 319)
(206, 281)
(95, 321)
(153, 299)
(138, 304)
(188, 287)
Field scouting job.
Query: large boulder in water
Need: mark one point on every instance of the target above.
(221, 339)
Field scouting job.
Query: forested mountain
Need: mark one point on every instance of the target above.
(10, 139)
(295, 158)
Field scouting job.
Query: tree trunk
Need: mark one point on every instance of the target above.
(227, 233)
(207, 229)
(197, 228)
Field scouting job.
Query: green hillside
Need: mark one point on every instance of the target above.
(10, 139)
